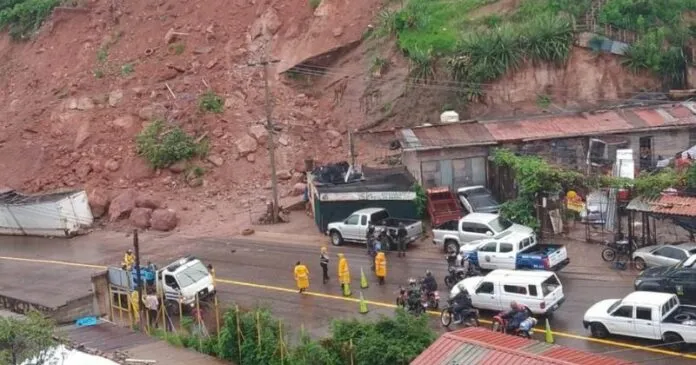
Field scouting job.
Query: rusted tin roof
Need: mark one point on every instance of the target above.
(462, 134)
(684, 206)
(479, 346)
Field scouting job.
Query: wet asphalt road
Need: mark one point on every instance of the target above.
(260, 263)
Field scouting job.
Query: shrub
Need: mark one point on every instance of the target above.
(314, 3)
(127, 69)
(23, 17)
(210, 102)
(653, 53)
(162, 146)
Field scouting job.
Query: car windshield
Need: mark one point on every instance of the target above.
(613, 306)
(192, 274)
(482, 201)
(500, 224)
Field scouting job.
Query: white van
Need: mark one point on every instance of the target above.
(540, 291)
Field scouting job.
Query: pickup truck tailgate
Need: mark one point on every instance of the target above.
(414, 230)
(553, 293)
(557, 256)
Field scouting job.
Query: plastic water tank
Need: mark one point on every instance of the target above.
(449, 116)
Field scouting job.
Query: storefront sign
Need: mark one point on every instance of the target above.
(379, 195)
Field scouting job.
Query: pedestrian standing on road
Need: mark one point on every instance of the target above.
(401, 238)
(324, 262)
(152, 304)
(301, 276)
(381, 267)
(128, 260)
(343, 271)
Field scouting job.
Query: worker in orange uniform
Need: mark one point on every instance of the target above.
(381, 267)
(343, 271)
(301, 276)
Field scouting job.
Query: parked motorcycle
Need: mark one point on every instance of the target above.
(459, 273)
(471, 316)
(525, 329)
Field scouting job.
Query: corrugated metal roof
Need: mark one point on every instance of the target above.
(479, 346)
(684, 206)
(549, 127)
(458, 134)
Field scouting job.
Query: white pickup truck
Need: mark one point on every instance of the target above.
(517, 250)
(354, 228)
(650, 315)
(540, 291)
(475, 226)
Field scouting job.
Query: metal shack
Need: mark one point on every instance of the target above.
(476, 346)
(388, 188)
(61, 214)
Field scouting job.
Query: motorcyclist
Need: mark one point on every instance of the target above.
(461, 303)
(413, 294)
(429, 282)
(517, 314)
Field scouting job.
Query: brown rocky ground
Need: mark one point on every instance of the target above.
(74, 98)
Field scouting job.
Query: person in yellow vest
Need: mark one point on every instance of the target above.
(301, 276)
(135, 305)
(343, 270)
(128, 260)
(211, 269)
(381, 267)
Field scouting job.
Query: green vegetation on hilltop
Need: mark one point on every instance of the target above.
(478, 48)
(663, 33)
(23, 17)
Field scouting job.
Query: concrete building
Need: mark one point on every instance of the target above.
(455, 153)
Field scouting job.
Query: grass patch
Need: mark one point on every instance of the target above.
(314, 3)
(24, 17)
(543, 101)
(210, 102)
(162, 146)
(127, 69)
(177, 48)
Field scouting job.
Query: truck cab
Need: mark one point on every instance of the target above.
(185, 279)
(473, 227)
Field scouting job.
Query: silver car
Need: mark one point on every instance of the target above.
(662, 255)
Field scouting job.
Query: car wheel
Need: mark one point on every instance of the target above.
(598, 330)
(336, 238)
(451, 245)
(673, 341)
(639, 264)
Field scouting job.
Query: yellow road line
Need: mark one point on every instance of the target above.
(379, 304)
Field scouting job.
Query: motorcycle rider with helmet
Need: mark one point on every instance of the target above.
(461, 303)
(517, 314)
(429, 282)
(413, 294)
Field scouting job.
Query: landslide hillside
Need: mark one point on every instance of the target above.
(167, 97)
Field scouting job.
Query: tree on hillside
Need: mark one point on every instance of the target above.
(25, 341)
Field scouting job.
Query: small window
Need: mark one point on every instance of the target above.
(624, 312)
(532, 290)
(485, 288)
(505, 247)
(515, 289)
(363, 220)
(353, 220)
(644, 313)
(170, 281)
(489, 247)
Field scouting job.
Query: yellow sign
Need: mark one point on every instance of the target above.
(574, 202)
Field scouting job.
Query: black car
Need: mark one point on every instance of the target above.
(478, 199)
(679, 279)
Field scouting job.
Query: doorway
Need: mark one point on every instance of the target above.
(646, 152)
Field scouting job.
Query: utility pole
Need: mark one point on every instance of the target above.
(136, 249)
(351, 144)
(271, 141)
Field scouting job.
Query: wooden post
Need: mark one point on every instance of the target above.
(136, 246)
(217, 315)
(199, 318)
(258, 326)
(181, 314)
(239, 334)
(111, 305)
